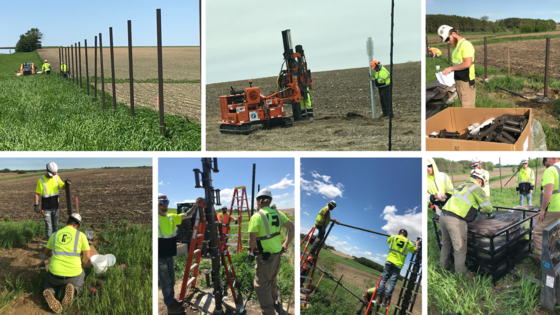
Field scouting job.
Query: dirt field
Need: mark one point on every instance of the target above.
(342, 107)
(178, 62)
(434, 39)
(103, 194)
(10, 175)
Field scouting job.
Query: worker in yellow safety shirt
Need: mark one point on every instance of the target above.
(434, 52)
(264, 236)
(47, 189)
(64, 247)
(321, 222)
(46, 67)
(463, 65)
(476, 164)
(550, 209)
(167, 249)
(461, 208)
(382, 79)
(225, 219)
(525, 183)
(440, 187)
(63, 69)
(305, 103)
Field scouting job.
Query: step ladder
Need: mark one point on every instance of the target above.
(195, 251)
(312, 268)
(373, 303)
(239, 201)
(411, 285)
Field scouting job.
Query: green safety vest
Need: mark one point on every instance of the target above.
(305, 103)
(47, 66)
(319, 219)
(63, 67)
(551, 173)
(382, 76)
(267, 223)
(525, 176)
(67, 244)
(457, 57)
(467, 199)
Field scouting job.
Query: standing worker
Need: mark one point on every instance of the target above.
(460, 209)
(525, 183)
(476, 164)
(463, 65)
(65, 268)
(542, 186)
(225, 219)
(440, 187)
(167, 243)
(47, 187)
(399, 247)
(306, 109)
(63, 69)
(382, 79)
(434, 52)
(550, 209)
(321, 222)
(46, 67)
(264, 235)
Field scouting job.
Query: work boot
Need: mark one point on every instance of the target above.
(536, 261)
(385, 300)
(379, 297)
(175, 307)
(54, 304)
(68, 296)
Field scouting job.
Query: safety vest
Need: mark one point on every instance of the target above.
(167, 237)
(319, 219)
(382, 76)
(225, 219)
(173, 228)
(268, 229)
(458, 53)
(466, 200)
(525, 177)
(66, 251)
(553, 171)
(49, 187)
(63, 67)
(46, 66)
(308, 263)
(304, 103)
(436, 52)
(398, 248)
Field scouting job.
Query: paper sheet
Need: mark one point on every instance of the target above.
(448, 79)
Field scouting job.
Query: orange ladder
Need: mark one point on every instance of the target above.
(239, 200)
(371, 301)
(307, 290)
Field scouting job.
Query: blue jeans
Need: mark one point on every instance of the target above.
(391, 273)
(51, 222)
(166, 275)
(529, 199)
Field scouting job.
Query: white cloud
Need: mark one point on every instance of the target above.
(347, 237)
(283, 184)
(356, 247)
(378, 259)
(309, 194)
(322, 187)
(160, 183)
(304, 229)
(226, 195)
(187, 200)
(334, 238)
(368, 208)
(410, 221)
(307, 214)
(280, 196)
(323, 177)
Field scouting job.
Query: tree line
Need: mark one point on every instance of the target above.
(470, 24)
(463, 166)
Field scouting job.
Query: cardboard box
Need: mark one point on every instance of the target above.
(459, 119)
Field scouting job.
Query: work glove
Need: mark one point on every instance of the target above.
(69, 181)
(37, 208)
(492, 215)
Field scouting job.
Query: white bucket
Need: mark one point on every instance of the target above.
(99, 262)
(437, 67)
(111, 260)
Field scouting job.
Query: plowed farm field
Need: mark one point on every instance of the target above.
(342, 107)
(103, 194)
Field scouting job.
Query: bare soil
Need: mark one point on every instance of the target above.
(10, 175)
(341, 254)
(103, 195)
(342, 107)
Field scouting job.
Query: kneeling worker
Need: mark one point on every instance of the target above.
(264, 235)
(65, 246)
(46, 67)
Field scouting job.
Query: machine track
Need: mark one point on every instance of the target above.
(235, 129)
(245, 129)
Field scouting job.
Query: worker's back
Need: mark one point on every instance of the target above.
(66, 245)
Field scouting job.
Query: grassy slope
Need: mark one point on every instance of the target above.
(10, 63)
(47, 113)
(511, 295)
(125, 291)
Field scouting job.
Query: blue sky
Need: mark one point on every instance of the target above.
(542, 9)
(69, 163)
(176, 178)
(382, 195)
(66, 22)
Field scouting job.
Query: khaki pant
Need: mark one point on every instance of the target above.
(466, 93)
(265, 282)
(454, 236)
(549, 218)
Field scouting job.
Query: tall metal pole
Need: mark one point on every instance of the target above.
(369, 48)
(485, 59)
(546, 63)
(67, 63)
(95, 69)
(72, 55)
(112, 67)
(59, 61)
(392, 75)
(160, 73)
(101, 64)
(68, 197)
(537, 173)
(130, 74)
(253, 190)
(80, 61)
(76, 58)
(87, 66)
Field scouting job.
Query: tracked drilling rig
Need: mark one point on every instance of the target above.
(247, 107)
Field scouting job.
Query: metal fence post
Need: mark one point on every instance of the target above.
(87, 66)
(76, 57)
(72, 56)
(130, 74)
(80, 61)
(95, 69)
(112, 67)
(546, 63)
(160, 73)
(427, 49)
(59, 61)
(369, 48)
(101, 64)
(485, 59)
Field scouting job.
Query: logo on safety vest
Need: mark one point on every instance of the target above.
(64, 238)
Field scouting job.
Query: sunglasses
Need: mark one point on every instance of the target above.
(429, 166)
(164, 202)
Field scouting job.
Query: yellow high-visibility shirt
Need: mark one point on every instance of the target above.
(66, 245)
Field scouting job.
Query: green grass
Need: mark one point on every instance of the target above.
(10, 63)
(126, 291)
(48, 113)
(17, 234)
(451, 294)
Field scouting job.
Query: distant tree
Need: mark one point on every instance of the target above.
(484, 18)
(30, 41)
(6, 170)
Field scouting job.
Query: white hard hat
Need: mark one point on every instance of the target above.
(77, 217)
(52, 169)
(332, 203)
(45, 60)
(443, 32)
(264, 193)
(475, 162)
(524, 161)
(478, 174)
